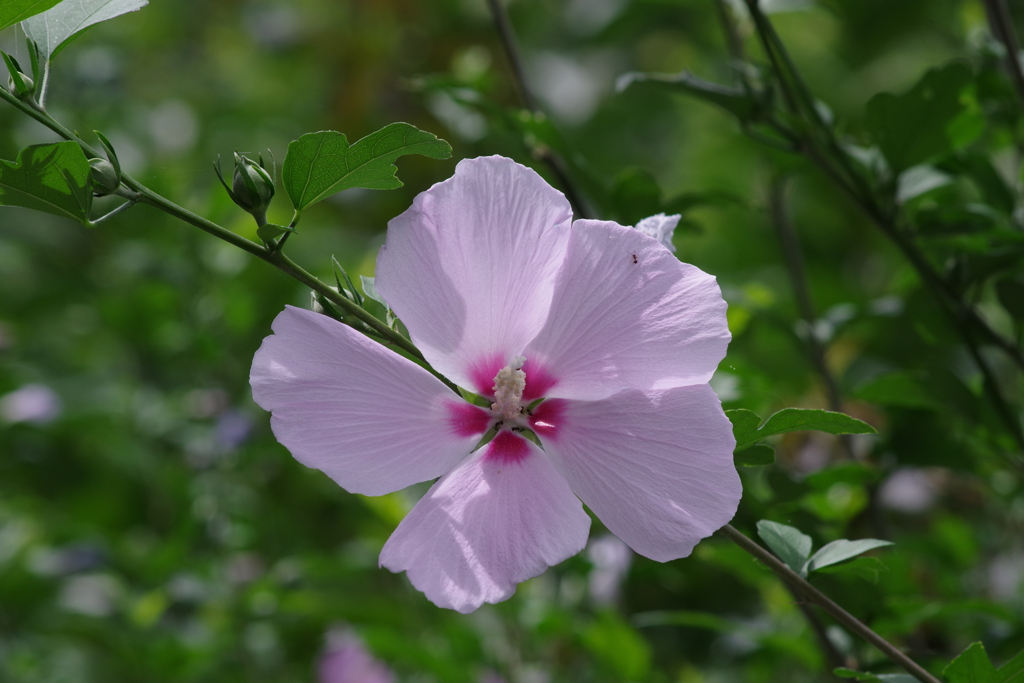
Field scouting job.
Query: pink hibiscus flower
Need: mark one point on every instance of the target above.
(509, 298)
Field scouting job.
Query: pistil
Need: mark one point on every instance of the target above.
(509, 384)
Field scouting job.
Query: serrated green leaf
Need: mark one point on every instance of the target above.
(842, 550)
(13, 11)
(54, 28)
(745, 422)
(55, 178)
(321, 164)
(741, 104)
(972, 666)
(914, 127)
(789, 543)
(758, 455)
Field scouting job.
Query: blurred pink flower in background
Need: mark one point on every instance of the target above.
(33, 403)
(346, 660)
(589, 334)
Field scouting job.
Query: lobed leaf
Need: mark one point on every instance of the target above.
(54, 178)
(53, 29)
(13, 11)
(842, 550)
(789, 543)
(321, 164)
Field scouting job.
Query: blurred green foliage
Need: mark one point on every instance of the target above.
(152, 529)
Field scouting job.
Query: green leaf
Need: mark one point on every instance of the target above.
(972, 666)
(54, 28)
(842, 550)
(789, 543)
(741, 104)
(321, 164)
(55, 178)
(744, 424)
(370, 290)
(921, 124)
(269, 231)
(919, 180)
(1013, 670)
(13, 11)
(755, 456)
(898, 389)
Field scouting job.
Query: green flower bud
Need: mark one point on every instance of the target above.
(252, 187)
(105, 177)
(24, 90)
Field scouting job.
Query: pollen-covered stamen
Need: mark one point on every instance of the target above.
(509, 384)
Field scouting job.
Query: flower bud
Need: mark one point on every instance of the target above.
(252, 188)
(24, 90)
(105, 177)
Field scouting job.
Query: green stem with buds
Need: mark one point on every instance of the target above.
(142, 194)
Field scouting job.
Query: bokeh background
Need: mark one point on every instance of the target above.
(152, 529)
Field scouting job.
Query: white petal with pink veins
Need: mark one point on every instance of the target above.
(499, 518)
(656, 467)
(627, 314)
(471, 267)
(371, 420)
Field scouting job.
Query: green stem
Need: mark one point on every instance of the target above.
(815, 596)
(275, 258)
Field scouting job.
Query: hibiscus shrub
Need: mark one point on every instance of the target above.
(685, 343)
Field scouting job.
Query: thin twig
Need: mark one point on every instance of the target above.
(817, 597)
(511, 45)
(1001, 25)
(543, 153)
(798, 278)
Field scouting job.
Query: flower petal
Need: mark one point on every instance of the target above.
(502, 516)
(627, 314)
(656, 467)
(470, 267)
(371, 420)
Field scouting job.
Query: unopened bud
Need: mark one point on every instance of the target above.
(252, 187)
(23, 91)
(105, 178)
